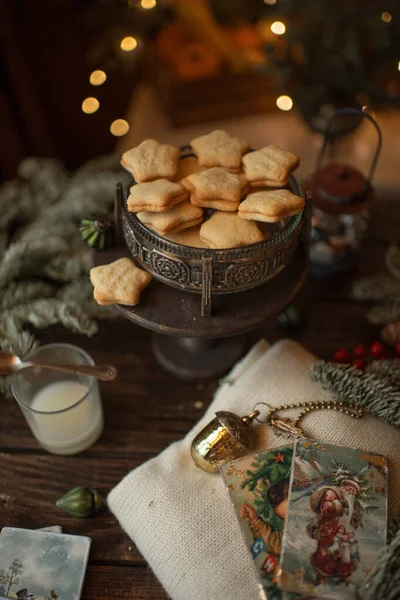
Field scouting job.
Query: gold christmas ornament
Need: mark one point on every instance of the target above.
(225, 438)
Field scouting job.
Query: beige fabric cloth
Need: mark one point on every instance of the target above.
(180, 517)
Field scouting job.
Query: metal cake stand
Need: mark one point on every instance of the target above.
(195, 347)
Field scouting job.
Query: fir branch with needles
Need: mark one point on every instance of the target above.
(384, 581)
(372, 392)
(44, 264)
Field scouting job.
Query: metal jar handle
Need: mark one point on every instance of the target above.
(327, 136)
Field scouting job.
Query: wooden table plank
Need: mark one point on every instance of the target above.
(121, 583)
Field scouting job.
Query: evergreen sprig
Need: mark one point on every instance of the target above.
(43, 262)
(384, 582)
(362, 390)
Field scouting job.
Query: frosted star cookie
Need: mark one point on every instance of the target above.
(156, 196)
(120, 282)
(216, 188)
(270, 206)
(151, 160)
(225, 230)
(219, 149)
(270, 166)
(181, 216)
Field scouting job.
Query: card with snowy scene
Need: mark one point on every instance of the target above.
(258, 487)
(38, 565)
(50, 529)
(336, 523)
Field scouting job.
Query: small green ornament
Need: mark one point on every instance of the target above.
(98, 233)
(80, 502)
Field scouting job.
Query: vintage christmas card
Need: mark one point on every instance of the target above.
(337, 518)
(37, 565)
(258, 486)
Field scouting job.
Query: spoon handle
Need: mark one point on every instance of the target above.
(103, 372)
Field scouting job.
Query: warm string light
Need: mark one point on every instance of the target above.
(97, 77)
(398, 65)
(278, 28)
(90, 105)
(119, 127)
(284, 102)
(148, 3)
(128, 44)
(386, 17)
(270, 2)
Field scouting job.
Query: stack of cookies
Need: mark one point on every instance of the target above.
(225, 199)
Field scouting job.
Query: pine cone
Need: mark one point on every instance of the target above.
(391, 334)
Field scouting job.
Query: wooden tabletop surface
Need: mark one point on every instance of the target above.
(147, 409)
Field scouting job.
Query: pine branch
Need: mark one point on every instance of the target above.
(24, 291)
(15, 340)
(376, 287)
(44, 269)
(385, 313)
(393, 528)
(386, 370)
(26, 259)
(44, 312)
(385, 580)
(363, 390)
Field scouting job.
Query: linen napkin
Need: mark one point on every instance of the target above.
(181, 518)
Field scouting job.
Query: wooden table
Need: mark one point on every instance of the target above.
(145, 410)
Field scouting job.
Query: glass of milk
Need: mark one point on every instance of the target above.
(63, 410)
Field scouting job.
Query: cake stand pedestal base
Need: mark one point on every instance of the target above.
(194, 359)
(195, 347)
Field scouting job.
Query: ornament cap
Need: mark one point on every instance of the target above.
(238, 427)
(225, 438)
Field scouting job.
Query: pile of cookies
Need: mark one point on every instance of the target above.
(226, 197)
(243, 189)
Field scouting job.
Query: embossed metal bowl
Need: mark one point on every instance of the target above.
(208, 271)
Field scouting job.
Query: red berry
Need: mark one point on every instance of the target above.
(377, 349)
(341, 355)
(397, 348)
(359, 350)
(358, 363)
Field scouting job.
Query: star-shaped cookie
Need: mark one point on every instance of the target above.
(216, 188)
(225, 230)
(156, 196)
(181, 216)
(151, 160)
(270, 206)
(188, 237)
(270, 166)
(119, 282)
(220, 149)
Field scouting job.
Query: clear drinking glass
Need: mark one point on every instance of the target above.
(63, 410)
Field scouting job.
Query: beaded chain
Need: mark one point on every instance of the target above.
(290, 427)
